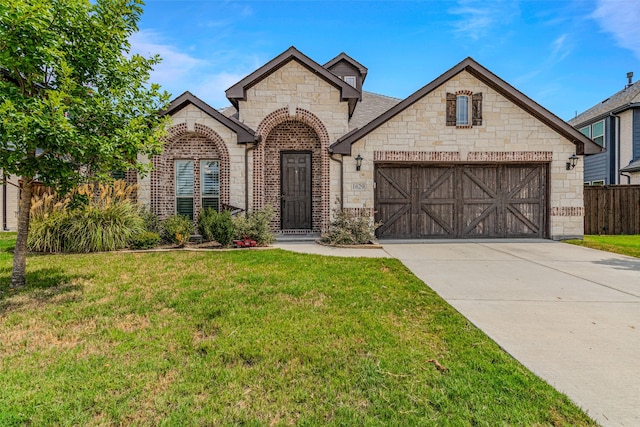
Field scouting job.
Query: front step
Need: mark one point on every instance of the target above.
(298, 236)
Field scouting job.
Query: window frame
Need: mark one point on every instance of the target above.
(179, 196)
(588, 132)
(205, 199)
(460, 109)
(355, 80)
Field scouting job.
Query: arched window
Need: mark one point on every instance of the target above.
(462, 110)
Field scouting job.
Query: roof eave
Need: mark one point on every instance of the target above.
(583, 144)
(604, 115)
(243, 132)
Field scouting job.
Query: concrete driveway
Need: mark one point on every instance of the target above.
(569, 314)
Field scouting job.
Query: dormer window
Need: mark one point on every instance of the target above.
(464, 109)
(350, 80)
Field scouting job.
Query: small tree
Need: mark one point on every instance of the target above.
(74, 104)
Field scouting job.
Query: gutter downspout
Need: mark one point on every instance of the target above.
(626, 175)
(341, 179)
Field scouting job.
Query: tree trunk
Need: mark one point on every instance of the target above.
(18, 277)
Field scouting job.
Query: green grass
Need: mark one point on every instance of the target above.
(253, 338)
(625, 245)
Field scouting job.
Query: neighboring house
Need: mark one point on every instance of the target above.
(613, 124)
(466, 156)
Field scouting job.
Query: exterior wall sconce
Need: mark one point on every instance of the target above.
(573, 161)
(358, 162)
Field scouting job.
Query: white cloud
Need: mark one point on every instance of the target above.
(179, 71)
(477, 19)
(622, 20)
(560, 48)
(175, 65)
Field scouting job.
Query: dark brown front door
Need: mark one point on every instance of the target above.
(461, 201)
(295, 205)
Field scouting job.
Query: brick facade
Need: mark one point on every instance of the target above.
(201, 144)
(302, 131)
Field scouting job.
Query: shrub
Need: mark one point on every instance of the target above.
(255, 225)
(151, 220)
(91, 218)
(217, 226)
(145, 240)
(177, 229)
(105, 228)
(349, 229)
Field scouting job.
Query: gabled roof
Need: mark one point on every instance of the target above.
(628, 97)
(245, 134)
(583, 144)
(344, 57)
(238, 91)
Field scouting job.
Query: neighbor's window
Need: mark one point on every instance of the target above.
(210, 184)
(184, 188)
(351, 80)
(598, 183)
(597, 133)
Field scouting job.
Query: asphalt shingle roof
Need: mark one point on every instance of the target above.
(626, 96)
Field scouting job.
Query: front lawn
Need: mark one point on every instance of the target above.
(253, 337)
(625, 245)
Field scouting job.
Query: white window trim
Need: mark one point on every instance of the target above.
(186, 195)
(216, 190)
(355, 80)
(459, 110)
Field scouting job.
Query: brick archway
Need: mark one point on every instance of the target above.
(203, 143)
(321, 179)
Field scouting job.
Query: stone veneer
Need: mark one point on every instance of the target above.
(507, 134)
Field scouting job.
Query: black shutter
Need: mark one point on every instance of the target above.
(451, 109)
(476, 109)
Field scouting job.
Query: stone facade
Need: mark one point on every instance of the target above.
(507, 134)
(292, 108)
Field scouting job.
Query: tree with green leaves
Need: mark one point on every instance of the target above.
(75, 104)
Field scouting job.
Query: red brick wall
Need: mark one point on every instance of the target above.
(203, 144)
(292, 135)
(304, 124)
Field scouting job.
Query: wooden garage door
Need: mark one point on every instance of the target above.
(461, 201)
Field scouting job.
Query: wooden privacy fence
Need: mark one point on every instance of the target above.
(613, 209)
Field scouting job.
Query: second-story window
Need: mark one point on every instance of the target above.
(351, 80)
(462, 110)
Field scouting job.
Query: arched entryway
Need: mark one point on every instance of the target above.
(292, 171)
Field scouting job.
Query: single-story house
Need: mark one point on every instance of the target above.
(466, 156)
(613, 124)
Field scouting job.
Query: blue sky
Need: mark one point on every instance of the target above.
(566, 55)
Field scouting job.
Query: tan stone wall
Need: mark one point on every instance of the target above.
(505, 128)
(13, 199)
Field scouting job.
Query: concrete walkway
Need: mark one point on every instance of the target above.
(569, 314)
